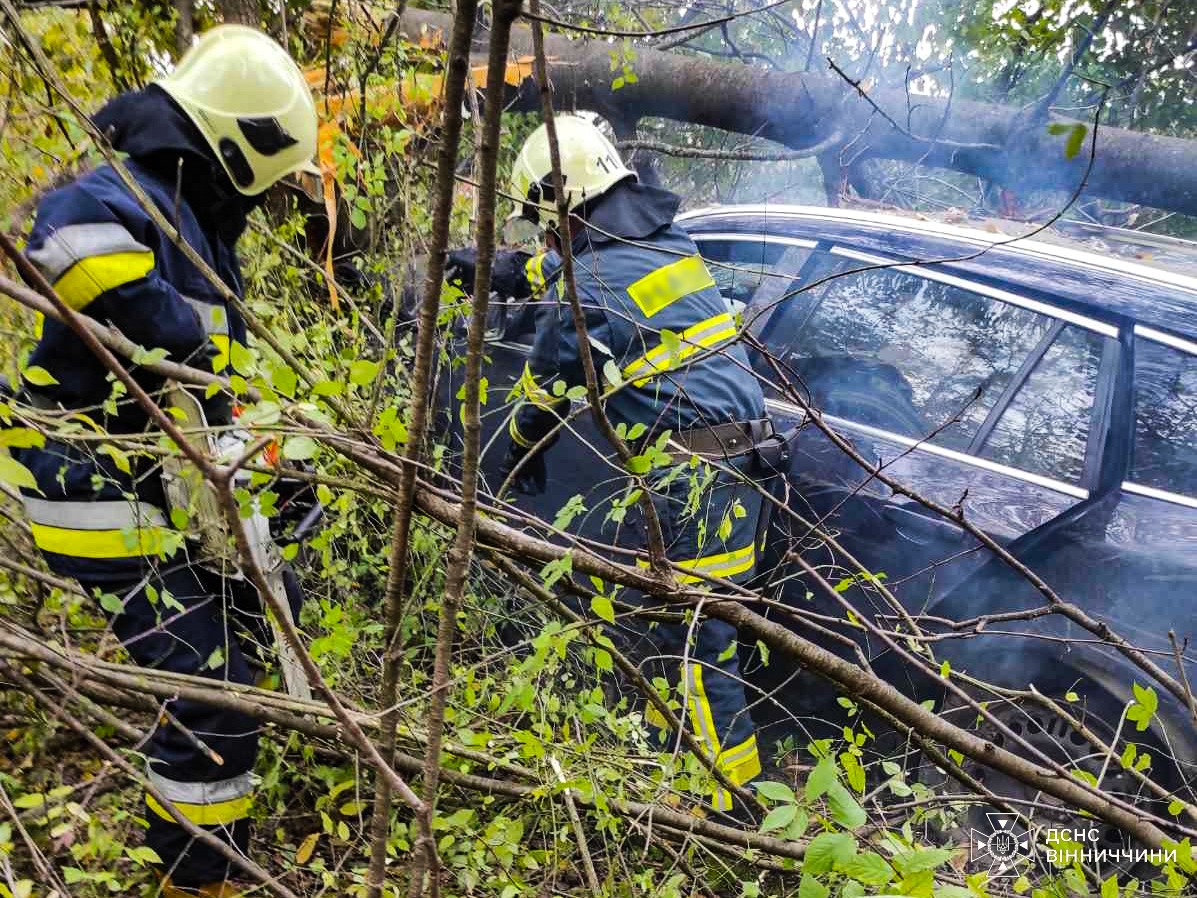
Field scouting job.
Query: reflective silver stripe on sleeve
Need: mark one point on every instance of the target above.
(202, 793)
(116, 514)
(68, 245)
(213, 315)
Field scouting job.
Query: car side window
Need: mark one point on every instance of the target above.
(1165, 453)
(904, 353)
(1045, 428)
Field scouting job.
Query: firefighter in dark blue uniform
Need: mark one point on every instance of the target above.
(233, 118)
(652, 307)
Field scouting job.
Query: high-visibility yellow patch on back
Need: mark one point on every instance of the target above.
(88, 278)
(665, 286)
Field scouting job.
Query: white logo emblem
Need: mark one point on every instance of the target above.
(1001, 847)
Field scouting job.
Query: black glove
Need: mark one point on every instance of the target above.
(460, 267)
(507, 276)
(533, 476)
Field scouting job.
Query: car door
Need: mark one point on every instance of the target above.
(924, 374)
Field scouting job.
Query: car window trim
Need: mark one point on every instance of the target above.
(922, 445)
(1188, 347)
(1138, 489)
(1014, 299)
(1156, 336)
(1026, 246)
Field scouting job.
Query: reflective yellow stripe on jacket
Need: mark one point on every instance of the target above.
(85, 260)
(723, 564)
(534, 272)
(204, 804)
(710, 333)
(108, 529)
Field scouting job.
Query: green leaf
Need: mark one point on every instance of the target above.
(363, 371)
(945, 669)
(844, 808)
(143, 356)
(1128, 755)
(820, 779)
(216, 659)
(30, 801)
(727, 653)
(284, 380)
(1076, 139)
(566, 514)
(672, 343)
(617, 83)
(1109, 887)
(1071, 697)
(143, 854)
(22, 438)
(1144, 708)
(611, 373)
(774, 792)
(810, 887)
(853, 770)
(39, 376)
(241, 358)
(867, 867)
(923, 859)
(111, 603)
(826, 850)
(602, 608)
(779, 818)
(118, 456)
(328, 388)
(299, 448)
(639, 464)
(1175, 806)
(797, 829)
(15, 474)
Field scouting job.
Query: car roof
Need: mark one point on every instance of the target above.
(1105, 285)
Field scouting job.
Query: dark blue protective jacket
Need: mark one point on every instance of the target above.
(653, 309)
(106, 258)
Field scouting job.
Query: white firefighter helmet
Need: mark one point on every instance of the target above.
(590, 166)
(250, 101)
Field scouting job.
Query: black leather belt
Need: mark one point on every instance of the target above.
(724, 440)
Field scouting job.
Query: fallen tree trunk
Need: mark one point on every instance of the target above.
(807, 110)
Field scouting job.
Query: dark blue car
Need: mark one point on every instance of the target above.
(1048, 392)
